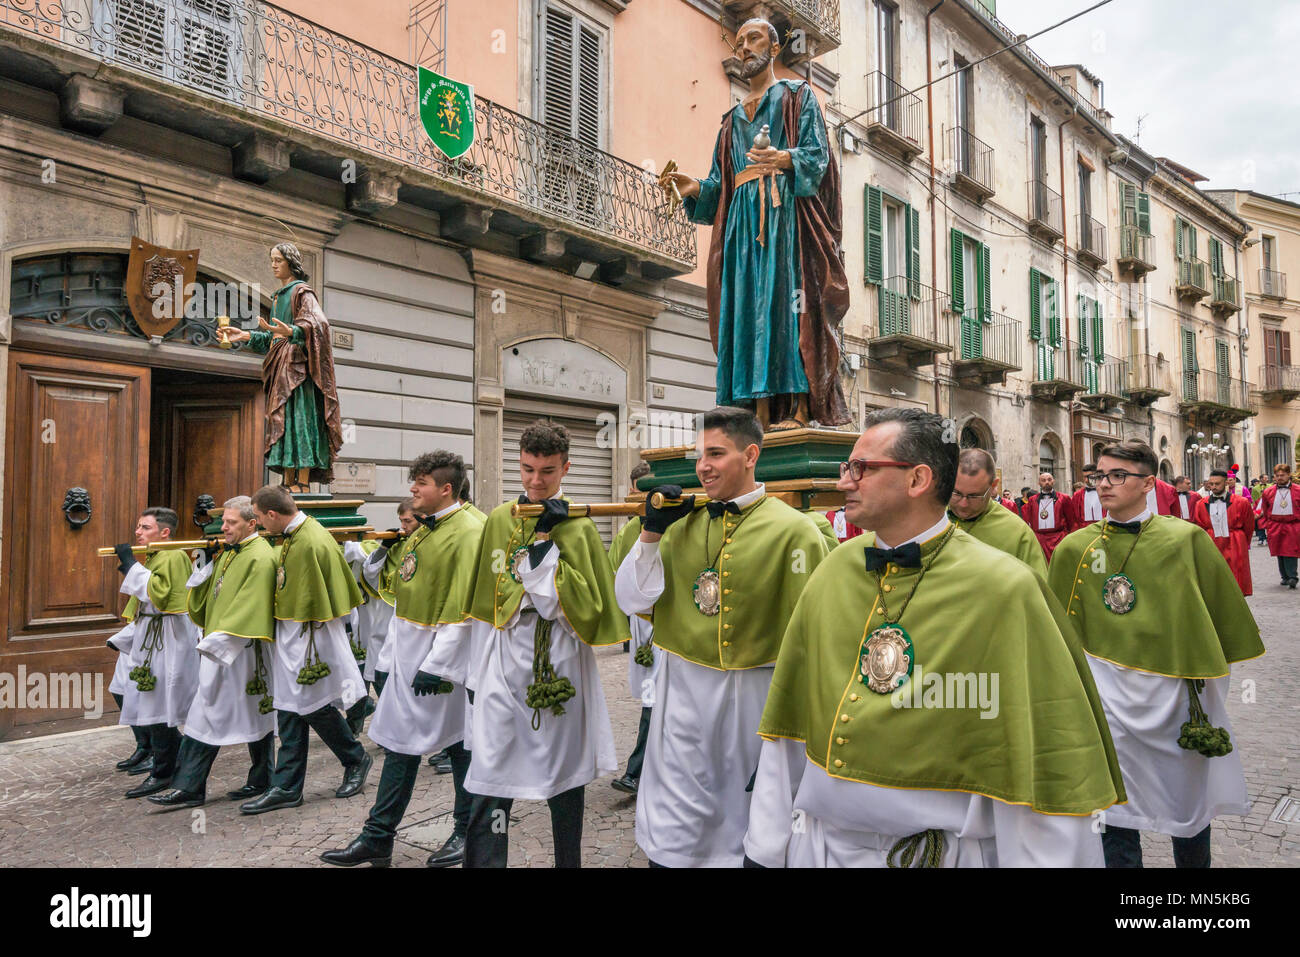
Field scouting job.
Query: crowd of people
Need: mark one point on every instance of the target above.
(932, 675)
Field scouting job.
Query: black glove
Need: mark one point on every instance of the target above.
(554, 511)
(396, 540)
(125, 557)
(657, 520)
(210, 551)
(381, 679)
(110, 644)
(425, 683)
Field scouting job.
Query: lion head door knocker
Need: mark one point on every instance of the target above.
(203, 507)
(76, 507)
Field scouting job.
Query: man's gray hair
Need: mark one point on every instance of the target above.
(773, 37)
(245, 506)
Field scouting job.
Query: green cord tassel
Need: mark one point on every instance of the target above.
(315, 670)
(142, 675)
(906, 848)
(1197, 734)
(547, 690)
(645, 656)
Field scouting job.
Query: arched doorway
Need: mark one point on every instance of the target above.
(976, 434)
(1051, 456)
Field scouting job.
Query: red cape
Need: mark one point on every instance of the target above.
(1236, 547)
(1077, 502)
(1283, 530)
(1049, 538)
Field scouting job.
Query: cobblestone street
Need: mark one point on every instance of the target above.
(61, 801)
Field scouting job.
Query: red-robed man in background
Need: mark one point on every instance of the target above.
(1185, 498)
(1230, 521)
(1279, 513)
(1162, 499)
(1049, 514)
(1086, 503)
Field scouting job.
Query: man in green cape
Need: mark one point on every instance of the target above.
(1161, 618)
(721, 582)
(930, 705)
(231, 601)
(540, 727)
(313, 667)
(976, 512)
(422, 709)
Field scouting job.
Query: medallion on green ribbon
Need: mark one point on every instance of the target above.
(447, 113)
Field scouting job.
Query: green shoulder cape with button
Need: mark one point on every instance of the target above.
(444, 568)
(1039, 739)
(318, 582)
(762, 568)
(1190, 619)
(583, 578)
(244, 606)
(1007, 532)
(169, 570)
(623, 542)
(368, 591)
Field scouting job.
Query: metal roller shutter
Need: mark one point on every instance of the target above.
(591, 472)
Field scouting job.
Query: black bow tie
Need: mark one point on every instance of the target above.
(909, 556)
(717, 508)
(234, 549)
(1043, 495)
(1218, 498)
(428, 521)
(523, 499)
(1131, 527)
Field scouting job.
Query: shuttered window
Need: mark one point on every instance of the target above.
(877, 236)
(1135, 208)
(571, 78)
(1216, 258)
(1184, 239)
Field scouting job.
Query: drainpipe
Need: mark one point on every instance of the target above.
(1242, 319)
(934, 246)
(1146, 338)
(1065, 253)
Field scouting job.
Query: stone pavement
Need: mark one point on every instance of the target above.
(61, 801)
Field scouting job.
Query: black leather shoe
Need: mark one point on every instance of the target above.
(150, 785)
(144, 767)
(247, 792)
(450, 854)
(359, 852)
(436, 759)
(354, 778)
(136, 757)
(442, 765)
(274, 799)
(627, 784)
(177, 798)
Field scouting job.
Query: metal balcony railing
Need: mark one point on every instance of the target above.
(895, 108)
(1091, 239)
(1044, 208)
(1272, 284)
(1107, 377)
(1206, 387)
(971, 157)
(994, 339)
(1279, 379)
(1058, 362)
(1193, 278)
(1135, 249)
(1226, 296)
(824, 14)
(267, 62)
(1149, 377)
(907, 308)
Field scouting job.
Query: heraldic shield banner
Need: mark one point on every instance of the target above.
(447, 112)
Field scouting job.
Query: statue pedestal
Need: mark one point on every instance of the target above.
(799, 466)
(334, 513)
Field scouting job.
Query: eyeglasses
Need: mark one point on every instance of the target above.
(1117, 477)
(856, 468)
(974, 497)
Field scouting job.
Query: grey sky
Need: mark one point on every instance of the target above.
(1215, 81)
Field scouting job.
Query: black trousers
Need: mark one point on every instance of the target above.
(636, 759)
(328, 722)
(141, 738)
(1123, 848)
(396, 785)
(487, 842)
(194, 764)
(164, 744)
(358, 710)
(1287, 567)
(459, 768)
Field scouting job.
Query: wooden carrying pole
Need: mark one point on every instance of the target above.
(343, 534)
(602, 509)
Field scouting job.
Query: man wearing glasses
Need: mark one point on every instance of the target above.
(1162, 619)
(1049, 514)
(974, 510)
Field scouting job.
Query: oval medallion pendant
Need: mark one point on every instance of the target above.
(516, 559)
(707, 592)
(1119, 594)
(279, 577)
(885, 661)
(406, 570)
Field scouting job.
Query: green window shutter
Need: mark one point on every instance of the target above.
(1035, 307)
(1054, 312)
(1127, 204)
(1098, 332)
(1191, 241)
(985, 291)
(1221, 363)
(957, 277)
(914, 252)
(1081, 303)
(874, 214)
(1189, 351)
(1216, 258)
(1180, 238)
(1144, 213)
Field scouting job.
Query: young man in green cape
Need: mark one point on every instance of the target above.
(422, 707)
(164, 665)
(979, 514)
(231, 601)
(721, 582)
(930, 703)
(540, 727)
(312, 668)
(1161, 618)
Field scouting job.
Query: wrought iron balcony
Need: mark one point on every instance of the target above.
(1225, 299)
(1045, 216)
(1106, 381)
(227, 70)
(896, 123)
(910, 327)
(1091, 248)
(972, 164)
(1215, 398)
(1135, 252)
(986, 348)
(1149, 378)
(811, 27)
(1272, 284)
(1058, 370)
(1193, 279)
(1279, 383)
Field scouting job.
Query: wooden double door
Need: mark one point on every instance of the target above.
(130, 437)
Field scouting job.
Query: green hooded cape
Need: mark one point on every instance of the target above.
(583, 579)
(444, 568)
(1190, 619)
(169, 570)
(978, 613)
(244, 606)
(1006, 532)
(318, 583)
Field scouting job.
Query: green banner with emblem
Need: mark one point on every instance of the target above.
(447, 112)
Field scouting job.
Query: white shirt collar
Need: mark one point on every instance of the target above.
(934, 530)
(296, 521)
(245, 541)
(446, 511)
(749, 498)
(1142, 516)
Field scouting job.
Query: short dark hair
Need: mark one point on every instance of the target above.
(921, 440)
(1090, 467)
(975, 461)
(442, 466)
(1180, 478)
(1218, 473)
(464, 489)
(1134, 451)
(274, 498)
(1026, 490)
(544, 438)
(294, 258)
(406, 506)
(739, 425)
(1282, 465)
(165, 517)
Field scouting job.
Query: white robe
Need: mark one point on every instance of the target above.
(420, 724)
(1170, 789)
(640, 679)
(369, 621)
(122, 642)
(223, 712)
(572, 749)
(175, 664)
(803, 817)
